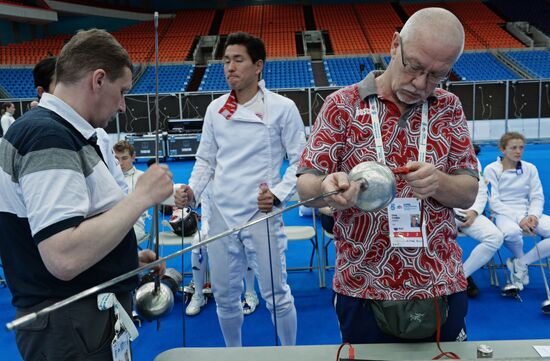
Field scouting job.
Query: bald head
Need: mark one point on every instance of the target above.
(434, 27)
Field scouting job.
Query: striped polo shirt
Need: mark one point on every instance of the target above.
(52, 179)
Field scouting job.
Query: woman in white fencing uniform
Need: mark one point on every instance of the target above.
(516, 199)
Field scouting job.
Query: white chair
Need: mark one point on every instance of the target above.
(146, 238)
(169, 238)
(306, 233)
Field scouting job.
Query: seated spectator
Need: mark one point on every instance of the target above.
(516, 200)
(166, 210)
(475, 225)
(125, 155)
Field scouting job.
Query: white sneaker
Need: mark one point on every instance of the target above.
(194, 306)
(190, 288)
(250, 302)
(518, 272)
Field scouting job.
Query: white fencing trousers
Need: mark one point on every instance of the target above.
(199, 260)
(543, 230)
(229, 258)
(490, 240)
(513, 235)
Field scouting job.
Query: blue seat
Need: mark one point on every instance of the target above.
(482, 66)
(172, 78)
(346, 71)
(536, 62)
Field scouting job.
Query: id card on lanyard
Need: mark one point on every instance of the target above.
(404, 214)
(120, 347)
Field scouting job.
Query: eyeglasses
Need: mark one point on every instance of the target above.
(417, 71)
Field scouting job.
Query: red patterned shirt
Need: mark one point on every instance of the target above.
(366, 265)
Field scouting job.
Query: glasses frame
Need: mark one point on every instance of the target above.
(430, 77)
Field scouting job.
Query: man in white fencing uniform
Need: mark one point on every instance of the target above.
(475, 225)
(246, 135)
(125, 155)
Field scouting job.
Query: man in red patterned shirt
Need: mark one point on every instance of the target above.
(398, 117)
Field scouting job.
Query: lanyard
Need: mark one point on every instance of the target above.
(379, 146)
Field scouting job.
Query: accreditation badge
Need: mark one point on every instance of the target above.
(120, 347)
(404, 223)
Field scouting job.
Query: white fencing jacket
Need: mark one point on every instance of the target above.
(106, 147)
(481, 198)
(130, 179)
(243, 151)
(514, 193)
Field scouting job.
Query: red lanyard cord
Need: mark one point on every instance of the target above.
(351, 351)
(450, 355)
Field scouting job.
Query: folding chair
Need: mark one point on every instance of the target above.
(306, 233)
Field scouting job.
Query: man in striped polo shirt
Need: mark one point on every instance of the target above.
(65, 225)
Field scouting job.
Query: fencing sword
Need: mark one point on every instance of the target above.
(264, 186)
(183, 328)
(25, 320)
(376, 189)
(155, 296)
(157, 240)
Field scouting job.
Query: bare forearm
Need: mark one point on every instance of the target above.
(74, 250)
(309, 186)
(456, 191)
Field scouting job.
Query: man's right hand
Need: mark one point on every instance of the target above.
(155, 185)
(344, 200)
(184, 196)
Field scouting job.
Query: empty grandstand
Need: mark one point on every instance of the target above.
(313, 48)
(326, 43)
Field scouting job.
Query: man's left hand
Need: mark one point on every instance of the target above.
(147, 256)
(423, 179)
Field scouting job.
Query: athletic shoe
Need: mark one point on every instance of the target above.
(250, 302)
(194, 307)
(518, 272)
(472, 289)
(207, 289)
(190, 288)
